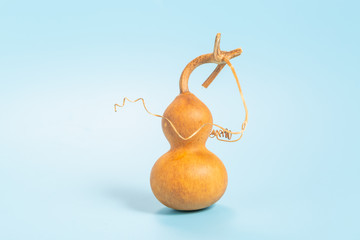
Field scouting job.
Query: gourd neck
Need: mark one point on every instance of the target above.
(189, 147)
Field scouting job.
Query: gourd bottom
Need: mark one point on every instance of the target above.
(188, 179)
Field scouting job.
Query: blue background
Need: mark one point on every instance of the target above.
(72, 168)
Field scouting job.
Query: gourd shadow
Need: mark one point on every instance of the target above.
(170, 211)
(214, 221)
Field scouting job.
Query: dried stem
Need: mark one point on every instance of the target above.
(216, 57)
(213, 75)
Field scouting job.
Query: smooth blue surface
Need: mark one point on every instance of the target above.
(72, 168)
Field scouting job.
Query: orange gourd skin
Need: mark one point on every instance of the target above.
(189, 176)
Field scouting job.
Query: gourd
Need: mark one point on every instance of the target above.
(189, 176)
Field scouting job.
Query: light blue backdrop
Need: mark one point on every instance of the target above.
(72, 168)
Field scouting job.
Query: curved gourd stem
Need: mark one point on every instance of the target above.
(216, 57)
